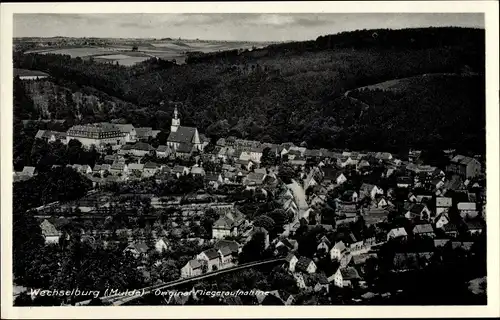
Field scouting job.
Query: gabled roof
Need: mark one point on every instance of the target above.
(125, 128)
(163, 148)
(141, 247)
(135, 166)
(151, 165)
(143, 132)
(443, 202)
(211, 253)
(185, 148)
(339, 246)
(462, 160)
(475, 224)
(255, 176)
(289, 257)
(28, 171)
(399, 232)
(466, 206)
(232, 245)
(423, 228)
(182, 135)
(212, 177)
(194, 264)
(303, 263)
(225, 251)
(178, 169)
(48, 229)
(349, 273)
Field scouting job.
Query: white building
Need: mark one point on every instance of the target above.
(97, 134)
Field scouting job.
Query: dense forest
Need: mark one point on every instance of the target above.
(293, 91)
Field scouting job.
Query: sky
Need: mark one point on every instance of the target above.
(228, 26)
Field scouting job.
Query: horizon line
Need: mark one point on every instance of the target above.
(248, 41)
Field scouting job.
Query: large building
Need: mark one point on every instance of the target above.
(465, 167)
(98, 134)
(187, 136)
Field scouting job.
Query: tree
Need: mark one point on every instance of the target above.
(265, 222)
(268, 158)
(286, 173)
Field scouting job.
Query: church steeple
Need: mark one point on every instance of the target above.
(176, 121)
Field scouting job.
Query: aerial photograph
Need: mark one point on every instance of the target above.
(249, 159)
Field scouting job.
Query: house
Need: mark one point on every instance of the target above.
(230, 223)
(443, 204)
(441, 220)
(346, 259)
(331, 175)
(404, 182)
(297, 162)
(350, 196)
(439, 243)
(180, 171)
(299, 280)
(418, 211)
(369, 191)
(150, 169)
(192, 268)
(212, 258)
(234, 246)
(163, 151)
(465, 167)
(128, 131)
(140, 149)
(324, 244)
(322, 283)
(338, 250)
(424, 230)
(244, 164)
(305, 264)
(198, 171)
(475, 226)
(50, 232)
(161, 244)
(291, 262)
(397, 233)
(467, 209)
(346, 277)
(135, 168)
(254, 178)
(214, 180)
(138, 249)
(450, 229)
(372, 216)
(383, 156)
(119, 168)
(28, 171)
(226, 256)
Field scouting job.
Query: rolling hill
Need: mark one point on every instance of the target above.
(297, 91)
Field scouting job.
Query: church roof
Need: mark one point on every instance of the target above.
(185, 148)
(182, 135)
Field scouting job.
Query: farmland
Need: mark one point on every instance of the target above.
(120, 50)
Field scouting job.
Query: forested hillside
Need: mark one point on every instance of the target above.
(295, 91)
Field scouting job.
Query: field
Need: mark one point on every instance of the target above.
(121, 52)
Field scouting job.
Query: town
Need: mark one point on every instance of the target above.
(338, 226)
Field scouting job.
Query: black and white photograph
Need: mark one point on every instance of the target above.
(250, 159)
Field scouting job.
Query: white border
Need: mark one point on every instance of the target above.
(489, 8)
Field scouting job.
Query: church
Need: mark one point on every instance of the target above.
(183, 138)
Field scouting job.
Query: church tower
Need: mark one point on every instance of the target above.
(176, 122)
